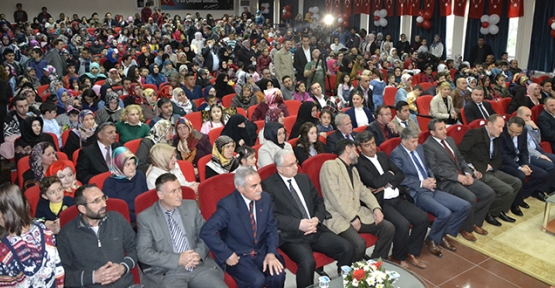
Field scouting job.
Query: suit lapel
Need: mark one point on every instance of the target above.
(286, 193)
(345, 175)
(163, 224)
(244, 214)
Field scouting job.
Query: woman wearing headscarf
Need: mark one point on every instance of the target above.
(191, 144)
(519, 91)
(31, 135)
(245, 99)
(111, 112)
(273, 115)
(168, 50)
(125, 182)
(273, 99)
(136, 96)
(83, 135)
(404, 88)
(222, 86)
(222, 157)
(95, 73)
(111, 59)
(275, 135)
(181, 104)
(403, 46)
(161, 132)
(155, 77)
(164, 161)
(65, 171)
(41, 157)
(64, 100)
(436, 48)
(245, 54)
(238, 130)
(307, 113)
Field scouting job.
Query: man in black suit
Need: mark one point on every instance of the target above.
(477, 108)
(479, 53)
(384, 179)
(302, 56)
(344, 130)
(383, 128)
(209, 52)
(300, 212)
(96, 158)
(480, 149)
(547, 88)
(516, 162)
(546, 122)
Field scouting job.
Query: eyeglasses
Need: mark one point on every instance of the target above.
(99, 200)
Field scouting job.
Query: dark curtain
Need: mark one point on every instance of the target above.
(439, 26)
(311, 3)
(497, 42)
(542, 44)
(393, 27)
(270, 9)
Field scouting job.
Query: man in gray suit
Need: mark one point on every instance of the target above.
(402, 118)
(455, 177)
(54, 57)
(169, 241)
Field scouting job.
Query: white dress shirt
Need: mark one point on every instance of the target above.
(388, 192)
(297, 189)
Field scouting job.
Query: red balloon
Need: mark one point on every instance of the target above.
(551, 20)
(427, 15)
(485, 25)
(376, 18)
(427, 24)
(289, 15)
(262, 8)
(346, 24)
(420, 13)
(553, 33)
(288, 7)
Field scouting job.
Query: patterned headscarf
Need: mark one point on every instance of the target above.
(159, 131)
(273, 97)
(35, 159)
(83, 132)
(160, 154)
(219, 158)
(272, 115)
(110, 96)
(120, 156)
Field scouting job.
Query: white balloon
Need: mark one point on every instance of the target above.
(377, 23)
(419, 19)
(494, 19)
(315, 9)
(340, 20)
(493, 29)
(311, 9)
(484, 18)
(383, 13)
(484, 31)
(383, 22)
(553, 26)
(316, 17)
(377, 13)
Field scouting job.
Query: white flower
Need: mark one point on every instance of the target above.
(380, 286)
(355, 283)
(370, 281)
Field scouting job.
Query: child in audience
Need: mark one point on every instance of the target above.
(411, 98)
(209, 100)
(247, 157)
(52, 202)
(391, 81)
(300, 92)
(325, 126)
(48, 111)
(344, 90)
(65, 171)
(215, 119)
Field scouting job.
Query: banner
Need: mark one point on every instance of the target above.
(516, 8)
(358, 7)
(337, 7)
(390, 7)
(403, 7)
(366, 6)
(495, 7)
(476, 9)
(196, 5)
(414, 7)
(459, 8)
(428, 6)
(329, 6)
(445, 7)
(347, 7)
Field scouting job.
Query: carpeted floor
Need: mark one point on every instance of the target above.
(521, 245)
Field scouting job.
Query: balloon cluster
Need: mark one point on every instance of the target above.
(343, 20)
(313, 12)
(551, 23)
(489, 24)
(265, 8)
(423, 19)
(286, 12)
(379, 18)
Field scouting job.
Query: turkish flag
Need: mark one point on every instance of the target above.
(336, 6)
(516, 8)
(445, 7)
(168, 3)
(390, 7)
(358, 7)
(429, 6)
(347, 7)
(476, 9)
(366, 6)
(459, 7)
(329, 6)
(403, 7)
(495, 7)
(414, 7)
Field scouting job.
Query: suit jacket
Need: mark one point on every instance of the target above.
(208, 57)
(300, 61)
(441, 163)
(342, 198)
(438, 109)
(458, 101)
(402, 159)
(472, 111)
(475, 147)
(351, 113)
(91, 162)
(332, 139)
(287, 212)
(412, 125)
(546, 123)
(283, 65)
(54, 58)
(154, 243)
(509, 152)
(232, 221)
(370, 176)
(375, 129)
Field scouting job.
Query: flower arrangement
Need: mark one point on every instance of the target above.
(369, 274)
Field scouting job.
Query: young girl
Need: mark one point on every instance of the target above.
(300, 92)
(215, 119)
(325, 125)
(391, 81)
(344, 90)
(247, 157)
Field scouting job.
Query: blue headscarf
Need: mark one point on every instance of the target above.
(109, 56)
(59, 94)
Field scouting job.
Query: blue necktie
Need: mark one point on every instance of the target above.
(418, 166)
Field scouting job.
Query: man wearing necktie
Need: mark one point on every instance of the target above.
(344, 130)
(478, 108)
(449, 211)
(402, 118)
(243, 234)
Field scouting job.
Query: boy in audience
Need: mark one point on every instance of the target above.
(48, 114)
(209, 101)
(52, 202)
(411, 98)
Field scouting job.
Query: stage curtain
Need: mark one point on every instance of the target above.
(542, 44)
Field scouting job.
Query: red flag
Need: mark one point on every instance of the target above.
(347, 8)
(476, 9)
(366, 6)
(414, 7)
(336, 6)
(168, 3)
(495, 7)
(459, 7)
(516, 8)
(389, 5)
(445, 7)
(429, 6)
(358, 7)
(403, 7)
(328, 6)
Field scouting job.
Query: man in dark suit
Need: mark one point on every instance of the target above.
(479, 53)
(455, 177)
(516, 162)
(449, 211)
(302, 56)
(344, 130)
(383, 128)
(546, 122)
(384, 179)
(208, 54)
(300, 219)
(96, 158)
(243, 234)
(477, 108)
(479, 147)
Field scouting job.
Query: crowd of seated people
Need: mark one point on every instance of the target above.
(129, 98)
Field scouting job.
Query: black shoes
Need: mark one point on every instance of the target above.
(491, 220)
(524, 205)
(506, 218)
(516, 210)
(540, 196)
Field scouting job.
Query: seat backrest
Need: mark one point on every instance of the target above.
(293, 106)
(463, 117)
(226, 100)
(293, 142)
(426, 85)
(360, 129)
(196, 119)
(389, 96)
(423, 121)
(151, 86)
(259, 125)
(65, 135)
(188, 170)
(503, 105)
(133, 145)
(112, 204)
(457, 132)
(536, 110)
(212, 190)
(214, 134)
(423, 104)
(22, 167)
(267, 171)
(250, 111)
(288, 123)
(75, 156)
(312, 167)
(201, 166)
(33, 196)
(423, 136)
(55, 139)
(477, 123)
(241, 111)
(99, 179)
(146, 199)
(389, 145)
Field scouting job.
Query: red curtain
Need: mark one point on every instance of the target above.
(516, 8)
(428, 6)
(414, 7)
(445, 7)
(378, 5)
(495, 7)
(358, 7)
(476, 9)
(459, 8)
(403, 7)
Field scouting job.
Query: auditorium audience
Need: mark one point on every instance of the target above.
(131, 125)
(164, 161)
(191, 145)
(65, 171)
(82, 136)
(161, 132)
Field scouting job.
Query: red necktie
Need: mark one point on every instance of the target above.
(450, 154)
(253, 222)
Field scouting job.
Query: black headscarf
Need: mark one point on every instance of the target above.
(222, 88)
(271, 133)
(304, 115)
(236, 133)
(27, 134)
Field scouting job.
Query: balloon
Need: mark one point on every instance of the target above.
(553, 33)
(339, 20)
(494, 19)
(377, 23)
(485, 25)
(376, 18)
(383, 13)
(484, 31)
(383, 22)
(315, 9)
(493, 29)
(262, 8)
(420, 13)
(346, 24)
(427, 15)
(288, 7)
(377, 13)
(419, 19)
(553, 25)
(427, 24)
(284, 11)
(551, 20)
(484, 18)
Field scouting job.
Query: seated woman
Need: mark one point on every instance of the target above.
(125, 183)
(222, 157)
(275, 134)
(164, 161)
(181, 104)
(161, 132)
(137, 97)
(64, 100)
(273, 115)
(131, 125)
(441, 106)
(247, 157)
(308, 144)
(215, 119)
(83, 135)
(307, 113)
(155, 77)
(111, 111)
(245, 99)
(31, 134)
(90, 101)
(191, 145)
(65, 171)
(42, 156)
(222, 86)
(240, 130)
(273, 98)
(360, 115)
